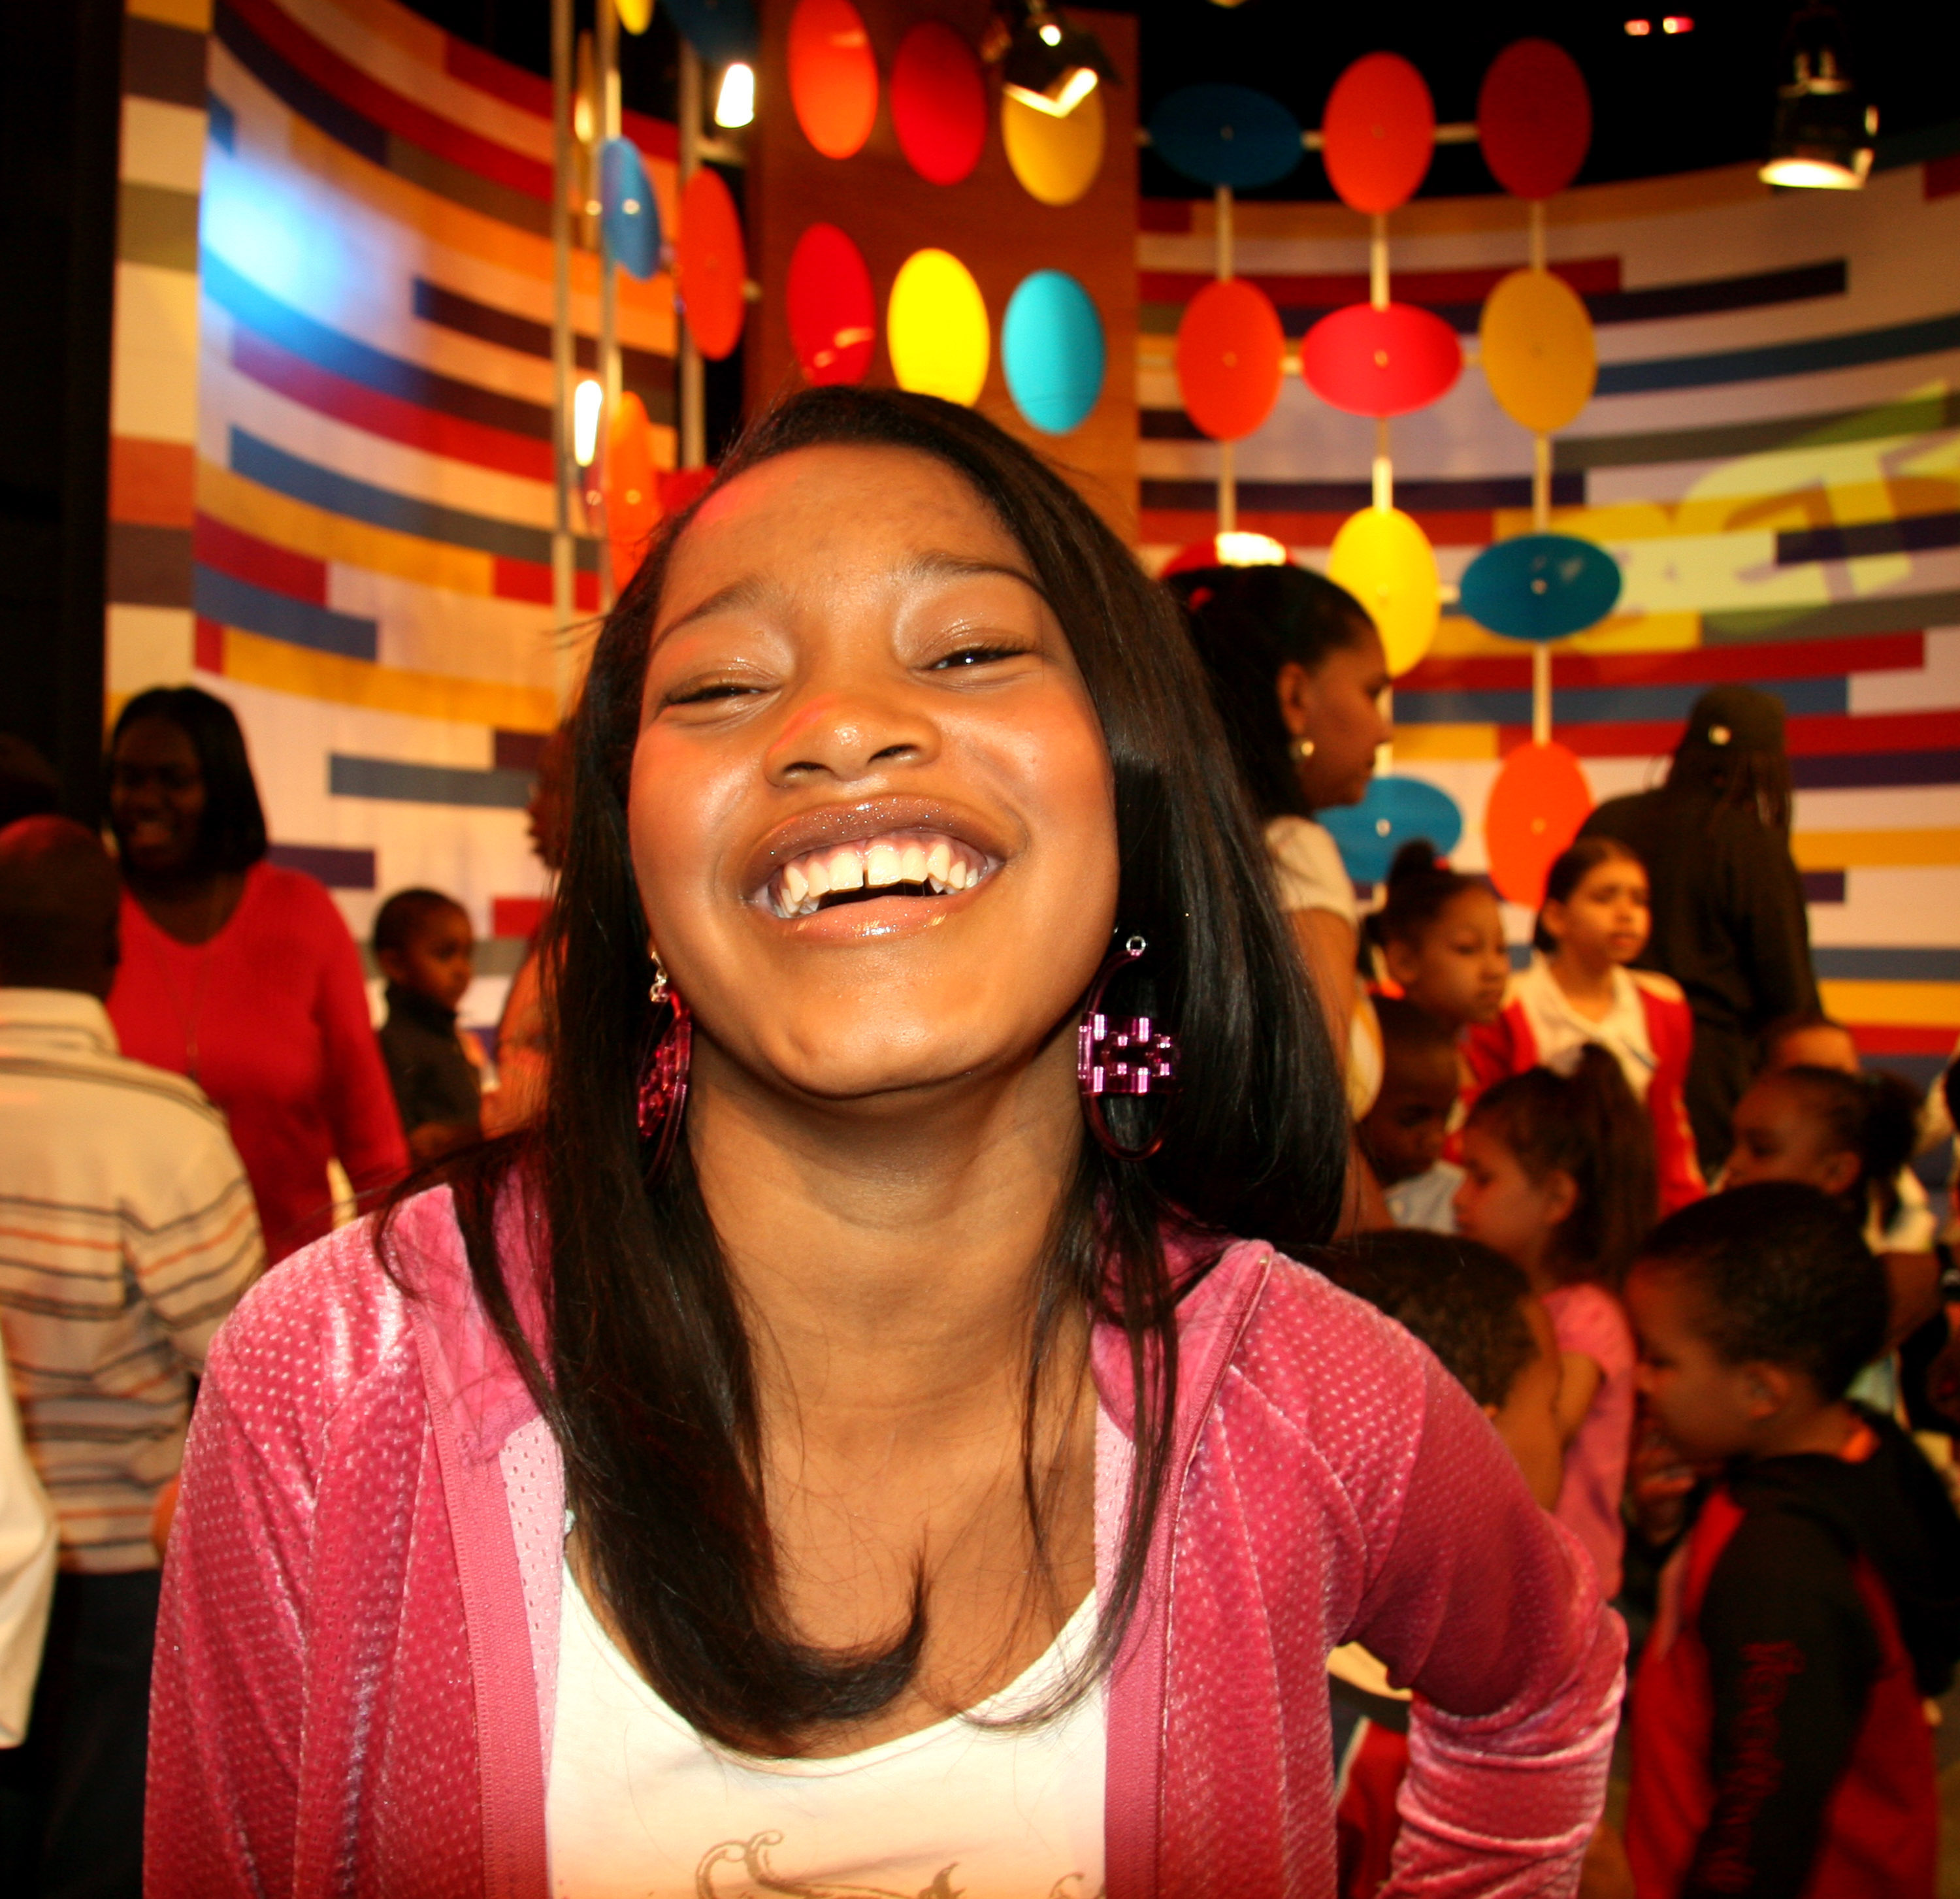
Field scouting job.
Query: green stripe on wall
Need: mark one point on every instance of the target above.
(1884, 613)
(1917, 415)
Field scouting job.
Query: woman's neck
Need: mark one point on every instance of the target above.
(1585, 981)
(887, 1258)
(191, 907)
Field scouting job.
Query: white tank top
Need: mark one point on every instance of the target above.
(641, 1806)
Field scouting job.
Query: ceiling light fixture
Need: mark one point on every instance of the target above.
(735, 104)
(1639, 29)
(1045, 61)
(1824, 133)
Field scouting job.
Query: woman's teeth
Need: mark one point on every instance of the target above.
(939, 865)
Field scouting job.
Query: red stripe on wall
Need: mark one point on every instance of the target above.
(1332, 291)
(208, 647)
(388, 416)
(246, 557)
(1891, 1039)
(1180, 527)
(389, 109)
(517, 916)
(1699, 665)
(532, 580)
(1811, 735)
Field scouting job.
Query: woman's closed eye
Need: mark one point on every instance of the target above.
(981, 653)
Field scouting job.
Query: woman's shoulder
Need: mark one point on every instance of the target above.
(294, 898)
(1307, 866)
(333, 1315)
(1326, 1366)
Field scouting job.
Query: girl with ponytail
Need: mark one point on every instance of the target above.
(1559, 1178)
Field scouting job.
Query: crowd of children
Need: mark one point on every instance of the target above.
(1730, 1367)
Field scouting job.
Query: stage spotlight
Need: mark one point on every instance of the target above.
(587, 399)
(735, 104)
(1045, 62)
(1825, 130)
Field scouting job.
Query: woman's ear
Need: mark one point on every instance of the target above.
(1553, 916)
(1401, 960)
(1767, 1389)
(1837, 1173)
(1561, 1195)
(1300, 702)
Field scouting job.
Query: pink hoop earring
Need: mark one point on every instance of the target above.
(663, 1096)
(1121, 1055)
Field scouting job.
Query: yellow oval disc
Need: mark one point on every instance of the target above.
(1536, 342)
(1386, 562)
(936, 328)
(1056, 159)
(636, 15)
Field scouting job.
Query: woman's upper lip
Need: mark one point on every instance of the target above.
(824, 826)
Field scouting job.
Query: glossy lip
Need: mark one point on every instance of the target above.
(830, 826)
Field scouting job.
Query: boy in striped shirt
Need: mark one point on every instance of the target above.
(127, 1233)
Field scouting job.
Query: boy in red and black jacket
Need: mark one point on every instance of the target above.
(1780, 1742)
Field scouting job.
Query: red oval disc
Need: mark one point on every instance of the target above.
(1534, 118)
(1381, 362)
(1231, 354)
(833, 314)
(939, 103)
(711, 264)
(1378, 132)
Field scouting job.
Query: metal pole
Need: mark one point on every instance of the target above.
(692, 393)
(563, 468)
(606, 49)
(1228, 476)
(1540, 520)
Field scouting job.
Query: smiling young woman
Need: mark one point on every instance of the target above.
(847, 1469)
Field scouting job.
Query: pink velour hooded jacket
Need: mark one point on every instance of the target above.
(356, 1664)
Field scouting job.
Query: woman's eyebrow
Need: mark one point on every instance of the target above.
(933, 565)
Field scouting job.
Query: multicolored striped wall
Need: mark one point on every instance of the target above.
(333, 499)
(1773, 455)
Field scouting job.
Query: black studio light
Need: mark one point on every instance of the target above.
(1824, 128)
(1045, 61)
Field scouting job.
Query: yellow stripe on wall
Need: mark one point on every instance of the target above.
(1908, 1005)
(298, 669)
(195, 14)
(1859, 849)
(1444, 742)
(306, 529)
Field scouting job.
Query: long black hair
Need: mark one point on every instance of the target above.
(648, 1384)
(1247, 622)
(1421, 886)
(231, 834)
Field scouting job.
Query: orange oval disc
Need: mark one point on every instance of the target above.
(833, 76)
(1231, 354)
(1377, 133)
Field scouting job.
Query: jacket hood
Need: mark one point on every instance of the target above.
(1892, 1509)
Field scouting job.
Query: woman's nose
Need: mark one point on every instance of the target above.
(848, 735)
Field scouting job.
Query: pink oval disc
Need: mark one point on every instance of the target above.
(939, 103)
(833, 314)
(1534, 118)
(1381, 362)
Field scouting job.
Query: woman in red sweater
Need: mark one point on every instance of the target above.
(239, 975)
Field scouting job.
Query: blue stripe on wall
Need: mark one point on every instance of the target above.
(1798, 358)
(1601, 704)
(1846, 771)
(321, 487)
(257, 609)
(329, 349)
(1887, 965)
(392, 778)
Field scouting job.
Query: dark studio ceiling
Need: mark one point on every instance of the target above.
(1662, 102)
